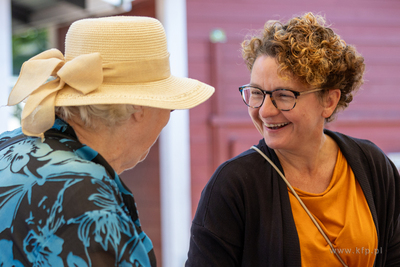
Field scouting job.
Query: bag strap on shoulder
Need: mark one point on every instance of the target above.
(302, 204)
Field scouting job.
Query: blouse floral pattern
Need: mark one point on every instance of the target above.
(61, 204)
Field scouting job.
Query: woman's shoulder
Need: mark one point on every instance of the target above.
(364, 156)
(352, 144)
(244, 162)
(9, 134)
(244, 171)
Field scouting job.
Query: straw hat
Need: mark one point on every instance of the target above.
(111, 60)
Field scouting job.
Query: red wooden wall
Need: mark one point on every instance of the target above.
(221, 127)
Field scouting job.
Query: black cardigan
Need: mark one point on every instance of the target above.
(244, 217)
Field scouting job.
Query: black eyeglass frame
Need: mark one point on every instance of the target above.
(296, 94)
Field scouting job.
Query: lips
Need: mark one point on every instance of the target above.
(275, 126)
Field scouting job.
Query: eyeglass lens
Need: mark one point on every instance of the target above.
(282, 99)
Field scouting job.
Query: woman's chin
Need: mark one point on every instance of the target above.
(144, 155)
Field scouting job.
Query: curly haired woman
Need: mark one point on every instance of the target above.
(304, 196)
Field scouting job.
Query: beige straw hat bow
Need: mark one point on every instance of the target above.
(112, 60)
(84, 73)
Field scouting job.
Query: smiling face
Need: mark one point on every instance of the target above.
(285, 130)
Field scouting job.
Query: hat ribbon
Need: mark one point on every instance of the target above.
(84, 73)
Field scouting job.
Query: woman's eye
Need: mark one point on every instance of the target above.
(284, 95)
(256, 92)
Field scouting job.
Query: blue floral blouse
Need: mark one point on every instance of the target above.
(61, 204)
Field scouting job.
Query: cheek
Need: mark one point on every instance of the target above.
(165, 121)
(253, 113)
(256, 119)
(306, 121)
(167, 118)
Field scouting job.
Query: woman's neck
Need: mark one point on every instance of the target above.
(310, 169)
(107, 141)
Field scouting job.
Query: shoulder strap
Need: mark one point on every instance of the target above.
(302, 204)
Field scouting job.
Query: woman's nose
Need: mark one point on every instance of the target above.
(268, 108)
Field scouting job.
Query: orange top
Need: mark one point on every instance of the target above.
(344, 215)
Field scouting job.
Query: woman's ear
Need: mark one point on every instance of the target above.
(138, 115)
(330, 102)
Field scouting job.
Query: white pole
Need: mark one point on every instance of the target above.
(175, 146)
(5, 62)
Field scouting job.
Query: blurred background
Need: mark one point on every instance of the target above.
(204, 38)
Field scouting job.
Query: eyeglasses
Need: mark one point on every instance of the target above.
(283, 99)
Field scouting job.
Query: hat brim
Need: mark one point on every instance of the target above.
(170, 93)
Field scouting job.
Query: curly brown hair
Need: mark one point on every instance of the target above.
(311, 51)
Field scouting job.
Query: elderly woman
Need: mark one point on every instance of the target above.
(61, 200)
(304, 196)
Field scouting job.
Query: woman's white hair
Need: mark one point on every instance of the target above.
(109, 114)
